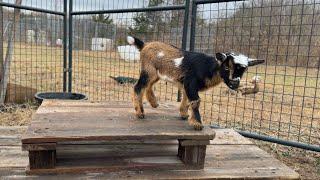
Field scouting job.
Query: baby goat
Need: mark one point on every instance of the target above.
(191, 71)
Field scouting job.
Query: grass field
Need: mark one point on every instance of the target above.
(287, 106)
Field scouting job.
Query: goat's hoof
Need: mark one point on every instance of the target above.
(154, 105)
(140, 116)
(184, 117)
(198, 126)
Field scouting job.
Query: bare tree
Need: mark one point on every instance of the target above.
(9, 53)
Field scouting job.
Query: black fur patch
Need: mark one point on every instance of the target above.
(198, 67)
(142, 82)
(139, 44)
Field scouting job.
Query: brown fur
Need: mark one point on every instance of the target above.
(164, 65)
(192, 120)
(157, 60)
(184, 106)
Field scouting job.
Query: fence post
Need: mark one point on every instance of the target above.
(193, 25)
(1, 42)
(65, 58)
(70, 47)
(185, 35)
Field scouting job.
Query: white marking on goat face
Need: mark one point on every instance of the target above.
(160, 54)
(164, 77)
(178, 61)
(130, 40)
(241, 59)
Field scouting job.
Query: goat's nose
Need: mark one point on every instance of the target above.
(236, 79)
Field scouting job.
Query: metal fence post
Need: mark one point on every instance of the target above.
(70, 47)
(185, 35)
(193, 25)
(65, 58)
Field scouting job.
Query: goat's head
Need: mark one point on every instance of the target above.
(233, 67)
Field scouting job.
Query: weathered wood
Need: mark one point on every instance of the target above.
(194, 142)
(194, 156)
(223, 161)
(181, 151)
(42, 159)
(112, 164)
(57, 121)
(39, 147)
(229, 137)
(12, 157)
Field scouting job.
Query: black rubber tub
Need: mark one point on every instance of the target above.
(59, 95)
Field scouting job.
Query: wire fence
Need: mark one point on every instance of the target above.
(101, 64)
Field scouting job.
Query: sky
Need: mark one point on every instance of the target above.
(207, 11)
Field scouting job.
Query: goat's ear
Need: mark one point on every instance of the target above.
(255, 62)
(221, 57)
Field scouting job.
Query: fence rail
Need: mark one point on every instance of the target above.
(284, 33)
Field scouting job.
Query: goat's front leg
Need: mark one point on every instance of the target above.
(184, 106)
(191, 88)
(139, 89)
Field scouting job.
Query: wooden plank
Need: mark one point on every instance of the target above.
(39, 147)
(74, 151)
(223, 161)
(229, 137)
(107, 123)
(12, 130)
(236, 160)
(112, 164)
(194, 142)
(10, 141)
(12, 156)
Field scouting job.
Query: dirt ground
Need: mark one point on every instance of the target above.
(306, 163)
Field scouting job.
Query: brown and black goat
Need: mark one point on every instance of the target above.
(192, 72)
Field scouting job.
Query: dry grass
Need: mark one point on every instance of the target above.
(16, 114)
(287, 107)
(306, 163)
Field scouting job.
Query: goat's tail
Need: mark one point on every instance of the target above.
(135, 41)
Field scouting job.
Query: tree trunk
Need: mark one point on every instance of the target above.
(9, 54)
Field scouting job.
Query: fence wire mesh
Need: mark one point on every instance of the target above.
(108, 69)
(286, 34)
(283, 32)
(31, 60)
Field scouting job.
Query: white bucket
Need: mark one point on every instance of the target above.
(129, 53)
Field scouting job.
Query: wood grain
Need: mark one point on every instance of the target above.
(60, 121)
(234, 160)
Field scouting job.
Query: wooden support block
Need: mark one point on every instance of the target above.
(193, 156)
(42, 159)
(181, 151)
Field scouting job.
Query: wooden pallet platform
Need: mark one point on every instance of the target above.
(58, 122)
(229, 156)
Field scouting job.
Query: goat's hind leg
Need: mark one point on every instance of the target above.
(184, 106)
(139, 89)
(149, 91)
